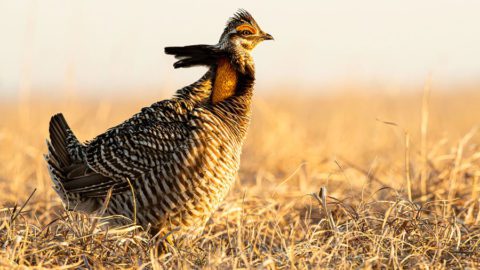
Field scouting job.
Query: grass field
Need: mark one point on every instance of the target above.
(401, 175)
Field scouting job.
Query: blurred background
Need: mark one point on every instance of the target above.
(346, 88)
(113, 48)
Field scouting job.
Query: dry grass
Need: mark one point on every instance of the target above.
(365, 149)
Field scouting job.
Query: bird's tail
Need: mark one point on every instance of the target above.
(195, 55)
(60, 161)
(59, 135)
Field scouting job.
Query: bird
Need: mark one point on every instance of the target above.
(168, 167)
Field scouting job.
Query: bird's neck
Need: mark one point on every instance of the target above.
(228, 81)
(224, 82)
(231, 97)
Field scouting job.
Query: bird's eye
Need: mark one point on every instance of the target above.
(245, 32)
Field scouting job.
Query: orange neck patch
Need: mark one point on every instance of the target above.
(225, 81)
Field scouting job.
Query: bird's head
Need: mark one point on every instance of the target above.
(242, 33)
(240, 36)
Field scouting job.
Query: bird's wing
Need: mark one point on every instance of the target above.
(124, 153)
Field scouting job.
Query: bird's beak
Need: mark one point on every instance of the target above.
(267, 36)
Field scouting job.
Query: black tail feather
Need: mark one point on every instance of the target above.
(59, 131)
(195, 55)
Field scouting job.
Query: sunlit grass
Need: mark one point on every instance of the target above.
(353, 145)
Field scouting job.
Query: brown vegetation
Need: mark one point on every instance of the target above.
(402, 192)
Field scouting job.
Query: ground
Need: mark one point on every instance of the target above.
(345, 180)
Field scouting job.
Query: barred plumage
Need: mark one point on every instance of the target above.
(179, 156)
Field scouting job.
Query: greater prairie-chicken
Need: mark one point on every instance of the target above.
(180, 156)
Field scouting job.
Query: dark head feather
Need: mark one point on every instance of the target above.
(242, 16)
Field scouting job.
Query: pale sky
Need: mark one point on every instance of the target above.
(110, 45)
